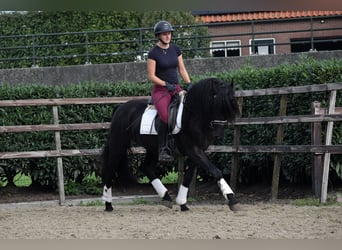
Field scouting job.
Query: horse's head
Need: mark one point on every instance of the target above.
(225, 106)
(211, 100)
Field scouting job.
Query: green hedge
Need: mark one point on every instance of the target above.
(254, 168)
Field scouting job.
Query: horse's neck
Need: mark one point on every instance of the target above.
(197, 128)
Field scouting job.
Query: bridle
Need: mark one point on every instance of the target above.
(211, 123)
(218, 122)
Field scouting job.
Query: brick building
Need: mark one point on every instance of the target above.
(272, 32)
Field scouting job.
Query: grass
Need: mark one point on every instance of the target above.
(170, 178)
(91, 203)
(315, 202)
(20, 180)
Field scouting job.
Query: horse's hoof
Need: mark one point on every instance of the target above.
(233, 203)
(109, 207)
(166, 203)
(235, 207)
(184, 208)
(167, 200)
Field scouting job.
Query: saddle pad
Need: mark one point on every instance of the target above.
(147, 126)
(178, 124)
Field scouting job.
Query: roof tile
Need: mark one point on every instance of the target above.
(264, 15)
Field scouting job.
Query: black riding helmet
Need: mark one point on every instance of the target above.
(162, 26)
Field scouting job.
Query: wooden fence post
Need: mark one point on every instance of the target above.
(59, 159)
(235, 157)
(277, 158)
(316, 139)
(328, 138)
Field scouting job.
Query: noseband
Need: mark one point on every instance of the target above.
(218, 122)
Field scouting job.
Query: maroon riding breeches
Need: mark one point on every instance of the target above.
(161, 99)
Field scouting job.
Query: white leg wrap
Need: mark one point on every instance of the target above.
(107, 194)
(225, 189)
(159, 187)
(182, 195)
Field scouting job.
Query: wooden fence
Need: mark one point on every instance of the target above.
(333, 114)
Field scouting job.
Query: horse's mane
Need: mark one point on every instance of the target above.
(211, 99)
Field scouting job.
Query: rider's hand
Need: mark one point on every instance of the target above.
(170, 87)
(189, 86)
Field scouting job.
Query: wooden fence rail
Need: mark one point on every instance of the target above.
(316, 118)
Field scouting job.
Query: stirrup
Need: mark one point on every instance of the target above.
(164, 155)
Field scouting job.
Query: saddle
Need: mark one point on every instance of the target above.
(150, 116)
(173, 111)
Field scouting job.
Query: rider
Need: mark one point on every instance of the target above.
(163, 64)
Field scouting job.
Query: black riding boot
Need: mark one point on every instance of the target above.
(164, 150)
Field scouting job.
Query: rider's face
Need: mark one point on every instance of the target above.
(165, 37)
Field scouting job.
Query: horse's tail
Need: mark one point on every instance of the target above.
(105, 149)
(114, 156)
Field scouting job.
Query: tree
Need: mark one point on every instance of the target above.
(57, 38)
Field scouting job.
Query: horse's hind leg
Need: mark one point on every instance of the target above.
(107, 178)
(113, 157)
(148, 169)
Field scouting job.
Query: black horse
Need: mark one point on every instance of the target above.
(207, 101)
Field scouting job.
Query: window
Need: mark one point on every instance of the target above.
(262, 46)
(319, 43)
(225, 48)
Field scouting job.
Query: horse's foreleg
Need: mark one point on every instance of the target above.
(182, 195)
(228, 194)
(200, 158)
